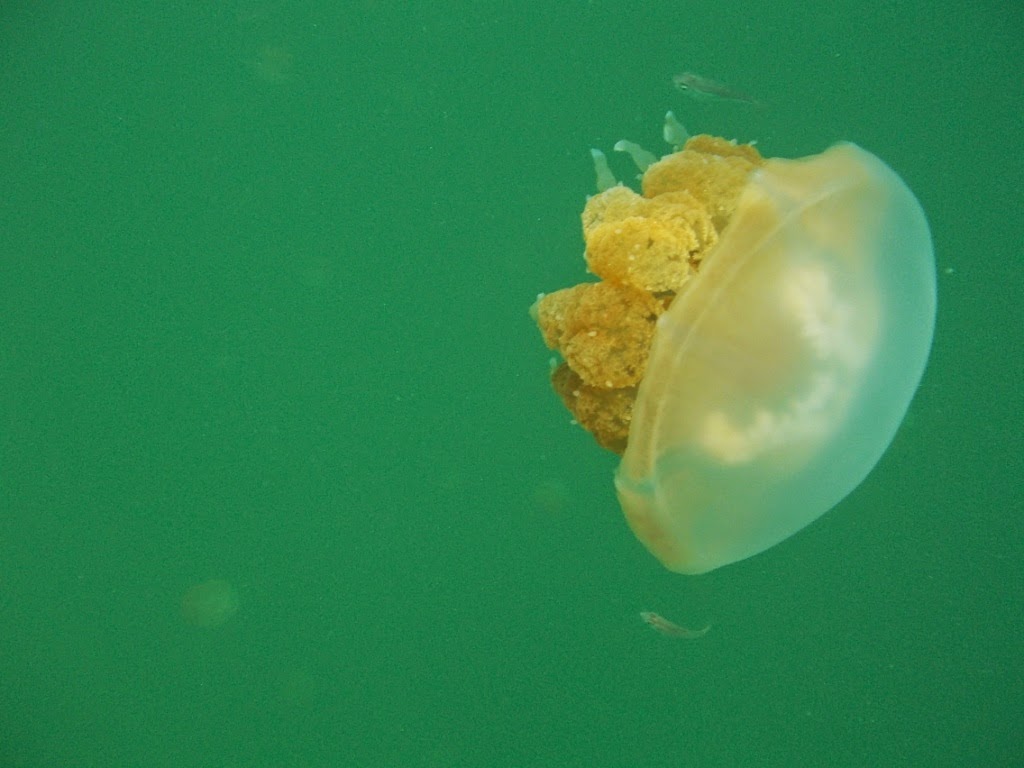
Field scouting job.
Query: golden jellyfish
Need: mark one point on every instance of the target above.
(209, 603)
(756, 337)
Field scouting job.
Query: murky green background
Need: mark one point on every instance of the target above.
(264, 271)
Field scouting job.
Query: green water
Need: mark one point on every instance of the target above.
(264, 270)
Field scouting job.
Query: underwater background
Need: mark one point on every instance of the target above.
(282, 478)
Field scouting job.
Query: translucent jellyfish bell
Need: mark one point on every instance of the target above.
(780, 373)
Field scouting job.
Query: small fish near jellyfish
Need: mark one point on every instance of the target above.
(705, 89)
(670, 629)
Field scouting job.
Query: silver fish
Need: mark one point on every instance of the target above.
(666, 627)
(700, 87)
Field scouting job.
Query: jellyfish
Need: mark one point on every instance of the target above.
(209, 603)
(757, 334)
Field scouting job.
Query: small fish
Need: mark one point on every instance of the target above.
(666, 627)
(700, 87)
